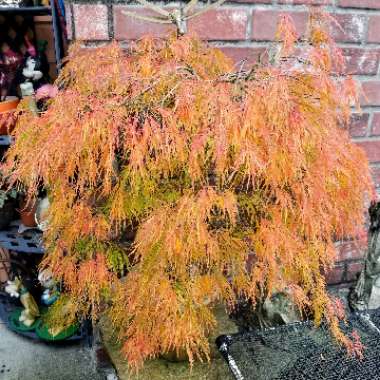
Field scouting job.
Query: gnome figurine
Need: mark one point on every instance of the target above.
(51, 293)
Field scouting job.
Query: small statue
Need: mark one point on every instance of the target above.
(31, 312)
(65, 315)
(51, 293)
(11, 3)
(366, 293)
(43, 205)
(32, 76)
(279, 310)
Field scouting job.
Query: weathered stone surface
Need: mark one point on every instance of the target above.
(366, 294)
(161, 369)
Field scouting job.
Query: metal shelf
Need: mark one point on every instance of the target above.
(29, 241)
(57, 33)
(34, 10)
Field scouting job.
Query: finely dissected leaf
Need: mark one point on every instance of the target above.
(163, 162)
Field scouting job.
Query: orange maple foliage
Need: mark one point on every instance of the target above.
(202, 166)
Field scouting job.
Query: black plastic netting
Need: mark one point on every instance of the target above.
(303, 352)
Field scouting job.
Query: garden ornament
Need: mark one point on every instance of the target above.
(26, 89)
(279, 310)
(31, 312)
(11, 3)
(50, 293)
(65, 320)
(273, 311)
(41, 216)
(32, 75)
(366, 293)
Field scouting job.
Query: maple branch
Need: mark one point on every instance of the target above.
(191, 4)
(205, 9)
(178, 17)
(154, 8)
(147, 18)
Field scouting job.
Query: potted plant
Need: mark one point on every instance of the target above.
(209, 167)
(27, 210)
(9, 63)
(20, 203)
(8, 108)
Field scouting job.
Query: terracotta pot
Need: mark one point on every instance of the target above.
(7, 119)
(27, 213)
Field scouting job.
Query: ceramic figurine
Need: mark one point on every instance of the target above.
(42, 212)
(64, 327)
(32, 75)
(31, 312)
(51, 293)
(11, 3)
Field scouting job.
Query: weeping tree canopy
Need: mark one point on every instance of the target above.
(166, 169)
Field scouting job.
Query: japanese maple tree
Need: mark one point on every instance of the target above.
(166, 169)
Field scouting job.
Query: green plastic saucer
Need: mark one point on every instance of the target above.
(42, 332)
(19, 326)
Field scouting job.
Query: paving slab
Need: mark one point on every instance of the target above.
(164, 369)
(25, 359)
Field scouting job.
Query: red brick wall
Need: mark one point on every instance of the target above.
(243, 29)
(349, 264)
